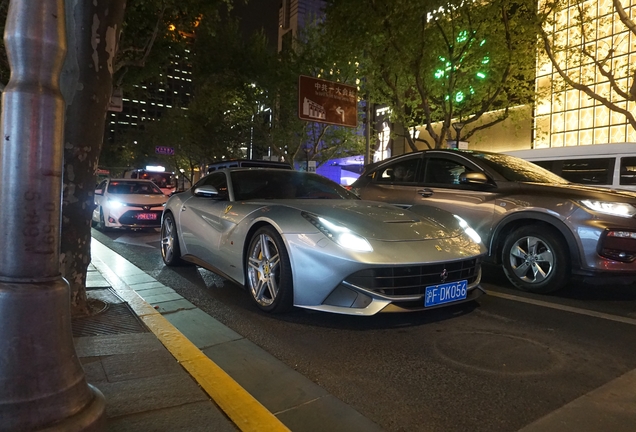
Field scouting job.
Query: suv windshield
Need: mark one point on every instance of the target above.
(518, 170)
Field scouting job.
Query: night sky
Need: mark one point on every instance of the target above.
(259, 14)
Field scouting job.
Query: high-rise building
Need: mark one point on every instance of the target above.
(172, 90)
(293, 15)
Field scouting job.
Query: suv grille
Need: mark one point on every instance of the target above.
(413, 280)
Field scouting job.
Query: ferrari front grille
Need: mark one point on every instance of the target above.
(413, 280)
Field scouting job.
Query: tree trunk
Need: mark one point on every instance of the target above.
(93, 29)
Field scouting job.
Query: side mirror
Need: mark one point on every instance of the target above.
(206, 191)
(99, 192)
(474, 178)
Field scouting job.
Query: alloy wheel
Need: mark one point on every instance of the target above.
(264, 270)
(532, 259)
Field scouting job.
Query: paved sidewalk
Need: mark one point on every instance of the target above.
(165, 365)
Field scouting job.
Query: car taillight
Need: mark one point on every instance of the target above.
(618, 245)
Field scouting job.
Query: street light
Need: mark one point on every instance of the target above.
(458, 128)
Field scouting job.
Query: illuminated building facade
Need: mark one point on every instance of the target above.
(569, 117)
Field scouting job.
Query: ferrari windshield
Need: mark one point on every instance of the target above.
(518, 170)
(284, 184)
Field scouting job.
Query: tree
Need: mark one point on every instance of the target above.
(249, 95)
(580, 62)
(442, 62)
(95, 55)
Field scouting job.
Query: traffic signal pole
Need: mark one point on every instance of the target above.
(42, 383)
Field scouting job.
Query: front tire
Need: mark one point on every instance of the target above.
(101, 225)
(269, 277)
(170, 248)
(535, 259)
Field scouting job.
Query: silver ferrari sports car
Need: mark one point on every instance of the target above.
(299, 239)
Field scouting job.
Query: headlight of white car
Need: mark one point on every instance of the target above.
(340, 234)
(113, 203)
(468, 230)
(610, 208)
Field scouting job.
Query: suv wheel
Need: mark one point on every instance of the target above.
(535, 259)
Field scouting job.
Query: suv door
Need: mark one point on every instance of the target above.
(442, 187)
(395, 183)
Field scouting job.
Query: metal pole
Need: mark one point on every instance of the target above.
(367, 132)
(42, 383)
(251, 138)
(458, 128)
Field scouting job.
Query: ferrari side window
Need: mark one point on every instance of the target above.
(219, 181)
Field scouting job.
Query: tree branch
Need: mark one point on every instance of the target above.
(582, 87)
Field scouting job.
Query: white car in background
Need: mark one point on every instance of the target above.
(128, 203)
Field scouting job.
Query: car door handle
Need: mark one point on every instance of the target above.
(425, 192)
(183, 208)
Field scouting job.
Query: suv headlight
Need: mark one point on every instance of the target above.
(340, 234)
(610, 208)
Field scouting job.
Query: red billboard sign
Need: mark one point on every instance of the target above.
(327, 102)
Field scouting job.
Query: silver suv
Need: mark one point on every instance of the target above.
(539, 227)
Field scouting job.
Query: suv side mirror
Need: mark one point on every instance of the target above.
(474, 178)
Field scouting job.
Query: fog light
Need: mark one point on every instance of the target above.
(618, 245)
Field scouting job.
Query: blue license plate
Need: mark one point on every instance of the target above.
(445, 293)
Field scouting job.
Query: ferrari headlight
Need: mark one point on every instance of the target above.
(114, 203)
(468, 230)
(340, 234)
(610, 208)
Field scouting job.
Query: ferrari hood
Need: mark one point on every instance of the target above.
(380, 221)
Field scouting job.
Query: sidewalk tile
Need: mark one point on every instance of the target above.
(201, 329)
(147, 394)
(278, 386)
(193, 417)
(123, 367)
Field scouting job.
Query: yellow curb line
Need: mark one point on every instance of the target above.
(248, 414)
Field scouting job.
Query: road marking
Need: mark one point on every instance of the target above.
(611, 407)
(617, 318)
(138, 240)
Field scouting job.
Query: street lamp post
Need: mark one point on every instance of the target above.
(458, 126)
(307, 150)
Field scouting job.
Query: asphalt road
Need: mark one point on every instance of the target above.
(496, 364)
